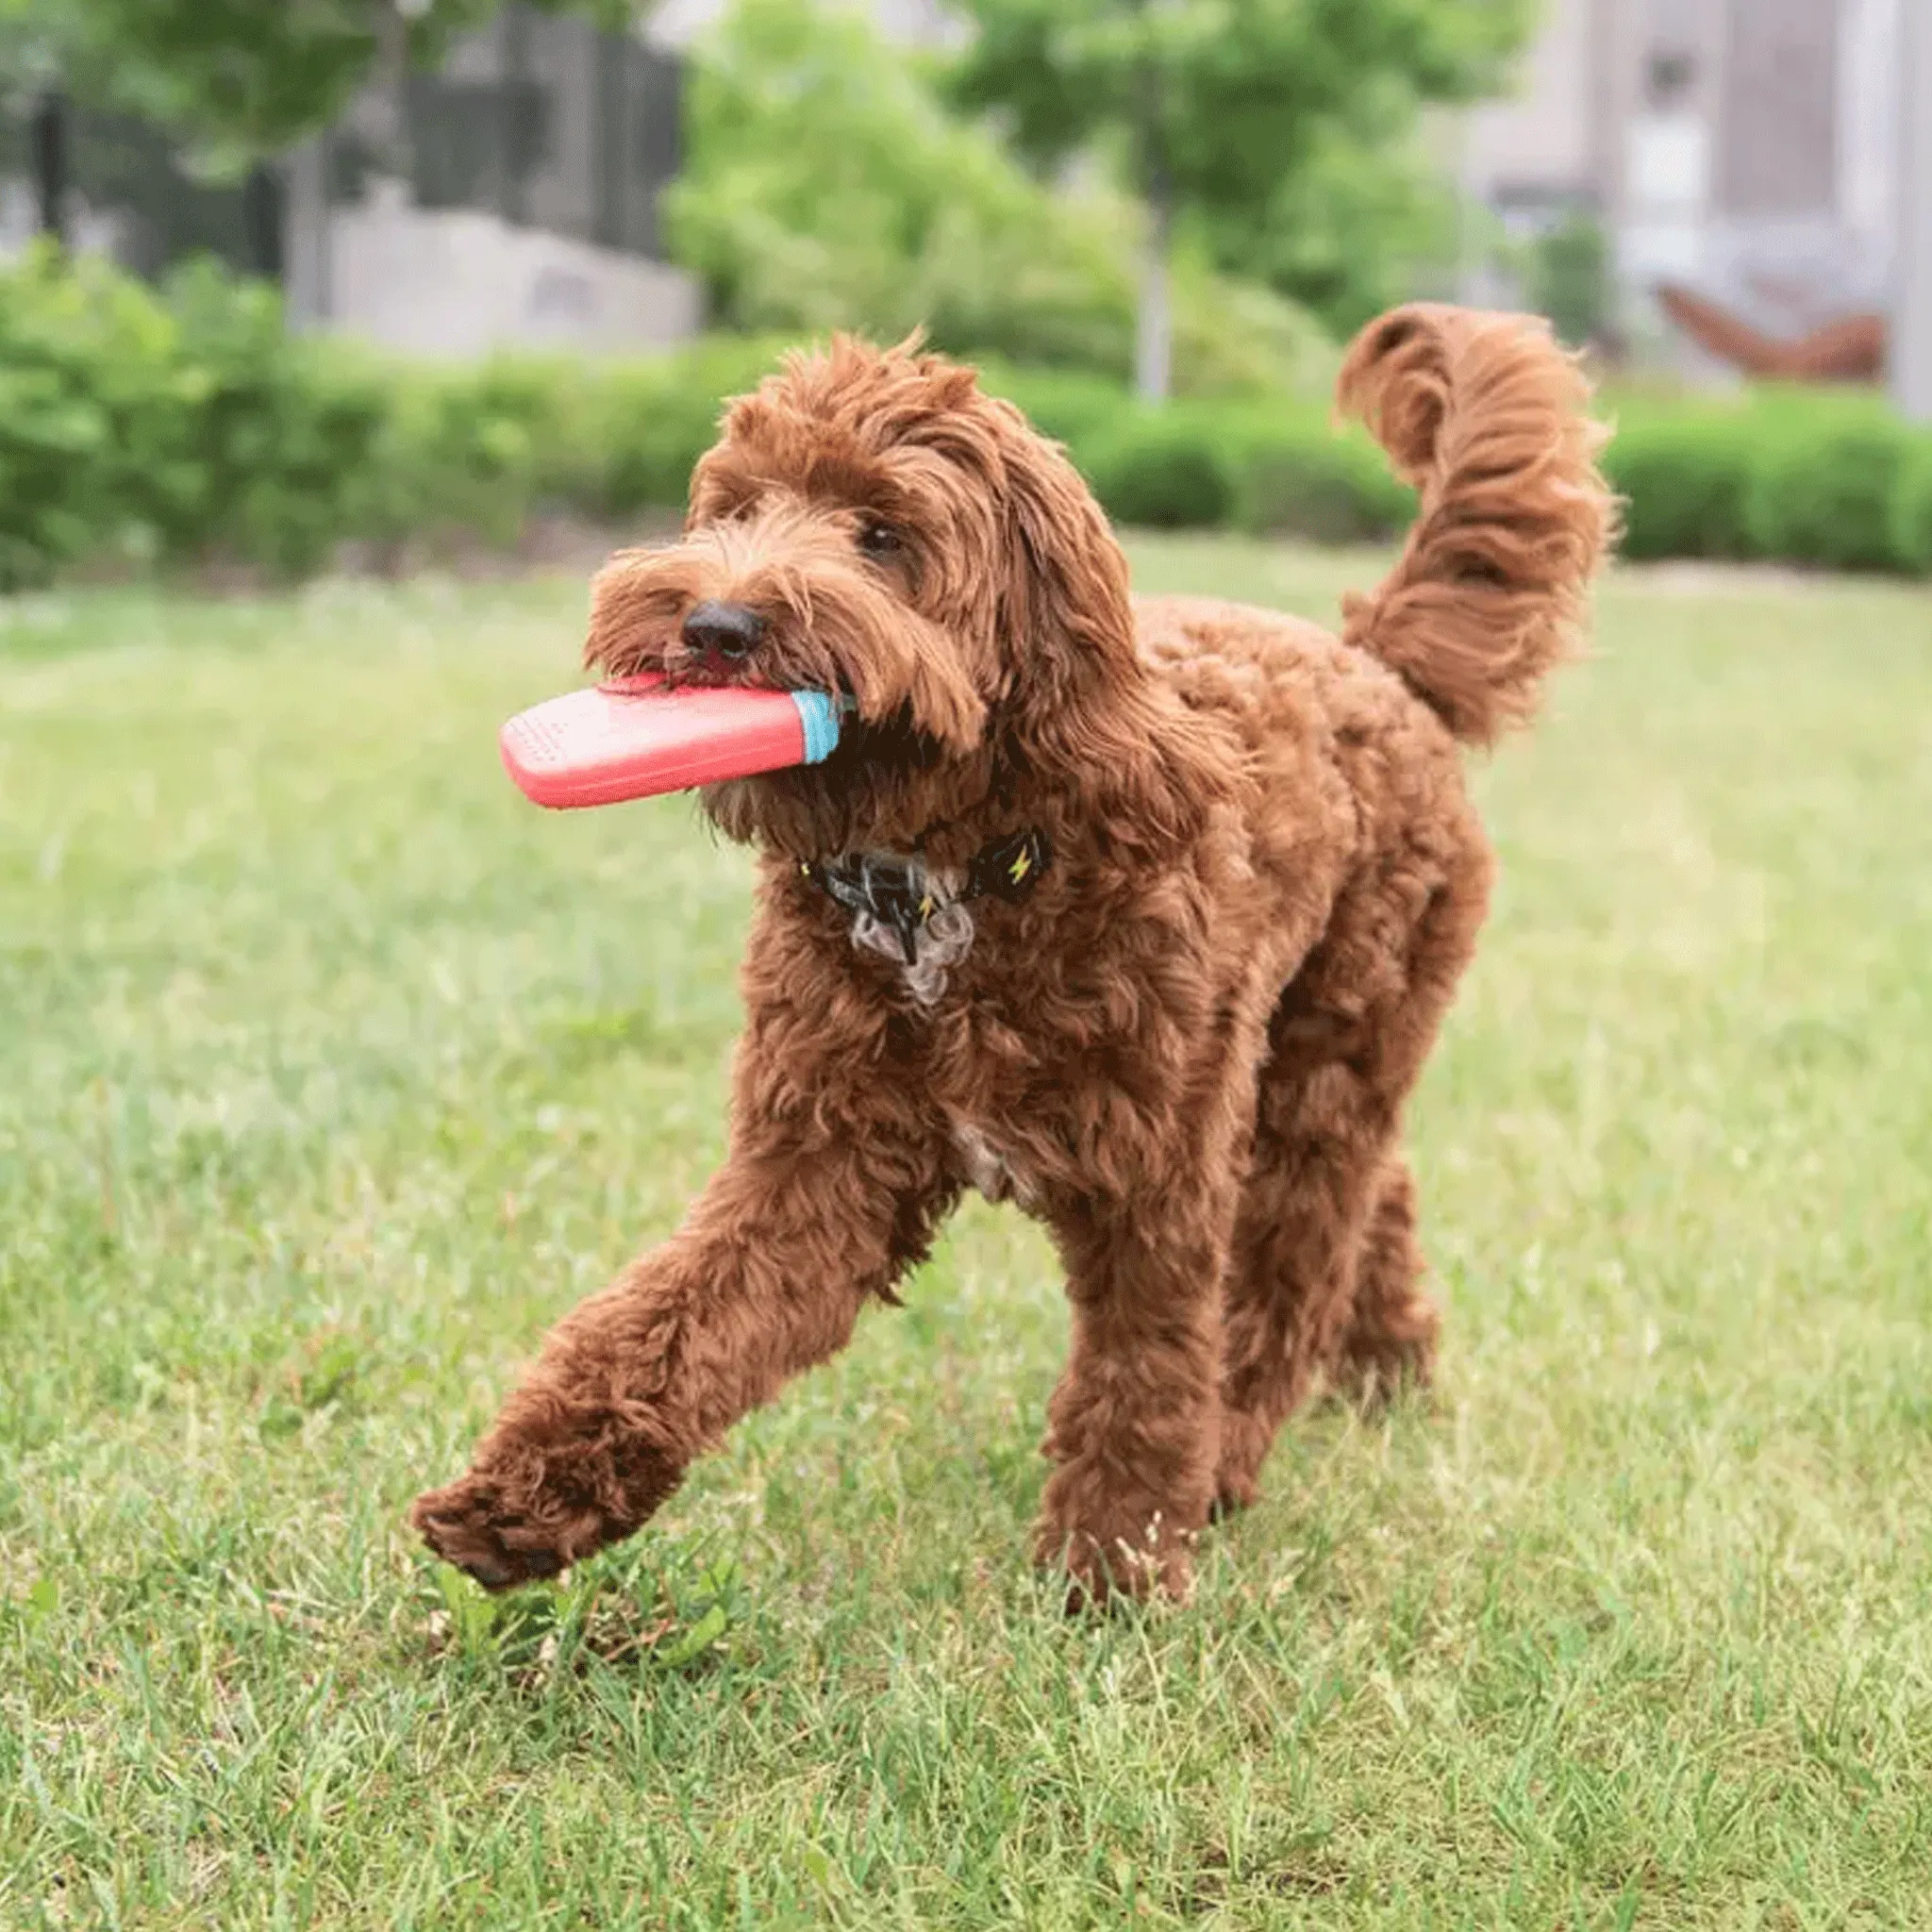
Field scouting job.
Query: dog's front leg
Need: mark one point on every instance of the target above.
(821, 1205)
(1134, 1425)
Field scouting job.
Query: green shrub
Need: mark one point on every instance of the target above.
(164, 425)
(1823, 493)
(657, 415)
(167, 424)
(1570, 276)
(278, 436)
(1163, 468)
(1070, 408)
(1819, 477)
(90, 416)
(476, 449)
(1304, 480)
(1685, 480)
(1911, 511)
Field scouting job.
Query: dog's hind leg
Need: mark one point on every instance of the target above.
(1390, 1335)
(1320, 1147)
(1323, 1273)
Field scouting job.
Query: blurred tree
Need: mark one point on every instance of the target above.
(249, 76)
(1359, 227)
(1569, 277)
(827, 185)
(1220, 109)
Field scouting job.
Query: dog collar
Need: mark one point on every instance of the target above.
(900, 892)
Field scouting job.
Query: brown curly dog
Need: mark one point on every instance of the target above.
(1144, 917)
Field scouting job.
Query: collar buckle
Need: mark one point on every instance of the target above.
(899, 892)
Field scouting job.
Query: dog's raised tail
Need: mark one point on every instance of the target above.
(1487, 416)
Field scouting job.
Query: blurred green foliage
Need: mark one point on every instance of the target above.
(162, 426)
(1226, 97)
(1569, 277)
(141, 425)
(151, 425)
(1825, 477)
(1276, 137)
(1361, 225)
(1911, 511)
(246, 76)
(827, 185)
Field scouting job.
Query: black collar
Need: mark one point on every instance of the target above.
(901, 894)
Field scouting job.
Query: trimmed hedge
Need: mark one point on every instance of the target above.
(1911, 512)
(144, 426)
(166, 426)
(1686, 482)
(140, 427)
(1826, 477)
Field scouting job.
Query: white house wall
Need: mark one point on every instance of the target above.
(461, 283)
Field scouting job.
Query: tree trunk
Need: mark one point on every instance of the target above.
(1153, 331)
(50, 129)
(1911, 321)
(390, 97)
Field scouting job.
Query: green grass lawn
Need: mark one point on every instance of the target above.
(330, 1073)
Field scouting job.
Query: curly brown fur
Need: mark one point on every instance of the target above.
(1188, 1050)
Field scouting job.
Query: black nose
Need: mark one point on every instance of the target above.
(722, 631)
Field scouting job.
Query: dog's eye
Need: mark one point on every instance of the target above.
(879, 540)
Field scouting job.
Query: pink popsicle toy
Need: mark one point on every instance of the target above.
(632, 738)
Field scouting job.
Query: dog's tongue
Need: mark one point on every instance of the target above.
(633, 737)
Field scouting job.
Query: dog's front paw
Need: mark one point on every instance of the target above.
(527, 1514)
(1118, 1570)
(1237, 1475)
(1395, 1350)
(470, 1524)
(1114, 1547)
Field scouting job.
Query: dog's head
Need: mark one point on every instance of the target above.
(869, 524)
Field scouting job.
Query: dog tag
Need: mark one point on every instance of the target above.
(632, 738)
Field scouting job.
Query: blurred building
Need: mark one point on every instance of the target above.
(1745, 150)
(116, 186)
(1748, 152)
(529, 215)
(510, 199)
(914, 22)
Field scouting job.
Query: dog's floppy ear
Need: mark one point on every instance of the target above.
(1067, 610)
(1082, 711)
